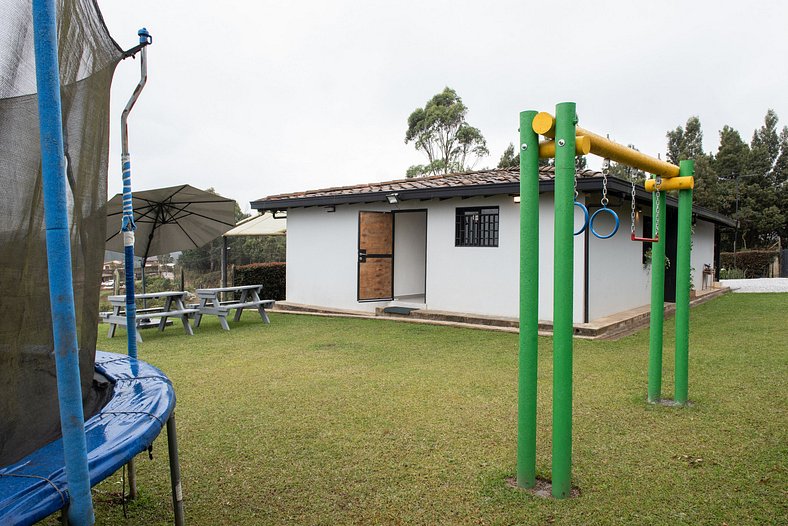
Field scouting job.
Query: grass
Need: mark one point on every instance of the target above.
(344, 421)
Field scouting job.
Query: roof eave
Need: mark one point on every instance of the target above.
(583, 183)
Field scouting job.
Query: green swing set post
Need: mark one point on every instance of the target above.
(563, 285)
(563, 129)
(683, 253)
(529, 301)
(659, 209)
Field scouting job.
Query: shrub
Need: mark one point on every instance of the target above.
(155, 284)
(731, 273)
(753, 263)
(203, 280)
(272, 276)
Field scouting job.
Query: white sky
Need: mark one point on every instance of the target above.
(260, 98)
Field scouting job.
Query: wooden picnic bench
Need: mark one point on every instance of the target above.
(211, 303)
(174, 307)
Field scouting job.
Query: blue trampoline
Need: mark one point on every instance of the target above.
(142, 403)
(69, 416)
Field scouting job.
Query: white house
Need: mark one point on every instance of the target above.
(451, 243)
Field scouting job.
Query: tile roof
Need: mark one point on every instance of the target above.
(455, 180)
(465, 184)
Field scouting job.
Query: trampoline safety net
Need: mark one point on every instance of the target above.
(29, 414)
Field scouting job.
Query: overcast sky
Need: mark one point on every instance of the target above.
(261, 98)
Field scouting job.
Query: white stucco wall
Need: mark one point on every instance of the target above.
(322, 261)
(482, 280)
(619, 281)
(321, 257)
(702, 250)
(410, 253)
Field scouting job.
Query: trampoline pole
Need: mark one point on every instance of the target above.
(128, 226)
(175, 471)
(58, 243)
(130, 467)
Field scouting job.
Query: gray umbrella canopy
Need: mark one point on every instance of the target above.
(171, 219)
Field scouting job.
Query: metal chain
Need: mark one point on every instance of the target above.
(605, 172)
(657, 182)
(576, 186)
(632, 224)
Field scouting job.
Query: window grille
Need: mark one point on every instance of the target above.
(476, 227)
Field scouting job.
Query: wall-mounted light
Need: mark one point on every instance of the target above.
(517, 199)
(393, 199)
(329, 209)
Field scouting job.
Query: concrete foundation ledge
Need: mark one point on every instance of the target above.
(609, 327)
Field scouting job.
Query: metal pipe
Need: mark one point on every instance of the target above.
(544, 124)
(127, 225)
(657, 299)
(175, 471)
(563, 304)
(529, 301)
(58, 243)
(132, 477)
(224, 266)
(683, 253)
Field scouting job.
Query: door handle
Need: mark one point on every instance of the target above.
(362, 255)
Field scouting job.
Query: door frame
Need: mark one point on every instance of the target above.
(426, 244)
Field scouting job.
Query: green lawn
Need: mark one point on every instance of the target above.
(317, 420)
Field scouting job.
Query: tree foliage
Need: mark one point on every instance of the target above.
(744, 181)
(439, 130)
(241, 250)
(509, 158)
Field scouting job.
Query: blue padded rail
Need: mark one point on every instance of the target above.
(142, 400)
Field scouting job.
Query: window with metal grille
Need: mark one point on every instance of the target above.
(476, 227)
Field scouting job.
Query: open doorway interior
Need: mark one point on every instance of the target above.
(410, 256)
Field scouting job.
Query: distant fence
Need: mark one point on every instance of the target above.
(784, 265)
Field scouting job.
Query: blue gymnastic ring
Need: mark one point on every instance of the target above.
(585, 216)
(612, 213)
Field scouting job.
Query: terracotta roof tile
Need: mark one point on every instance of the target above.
(477, 178)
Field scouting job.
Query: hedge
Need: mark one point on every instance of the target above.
(754, 263)
(270, 275)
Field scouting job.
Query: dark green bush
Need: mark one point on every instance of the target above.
(754, 263)
(272, 276)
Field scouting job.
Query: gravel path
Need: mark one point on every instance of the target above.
(757, 285)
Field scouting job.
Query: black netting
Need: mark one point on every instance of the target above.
(29, 415)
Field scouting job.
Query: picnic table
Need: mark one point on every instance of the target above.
(211, 303)
(174, 307)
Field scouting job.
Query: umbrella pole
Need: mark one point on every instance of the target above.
(144, 264)
(127, 225)
(224, 263)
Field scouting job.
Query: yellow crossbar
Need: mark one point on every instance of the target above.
(582, 147)
(544, 124)
(674, 183)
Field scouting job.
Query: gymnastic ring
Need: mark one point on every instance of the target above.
(585, 217)
(612, 213)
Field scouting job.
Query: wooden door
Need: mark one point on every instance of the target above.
(375, 256)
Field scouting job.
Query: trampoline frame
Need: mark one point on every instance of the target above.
(142, 403)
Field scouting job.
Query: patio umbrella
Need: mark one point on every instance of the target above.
(170, 219)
